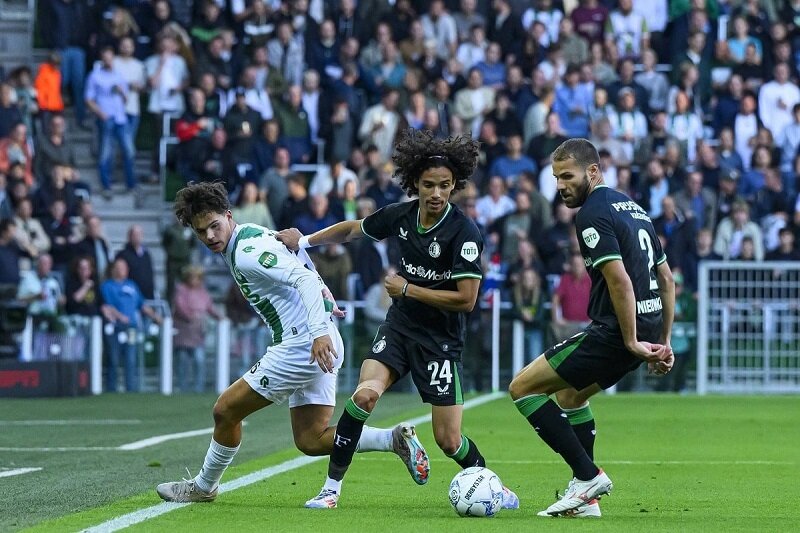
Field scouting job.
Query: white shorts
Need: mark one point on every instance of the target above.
(284, 371)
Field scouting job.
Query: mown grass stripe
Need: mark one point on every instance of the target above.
(136, 517)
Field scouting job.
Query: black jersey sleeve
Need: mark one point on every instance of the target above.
(467, 249)
(595, 228)
(379, 224)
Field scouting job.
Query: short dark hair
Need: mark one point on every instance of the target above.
(417, 151)
(581, 150)
(199, 198)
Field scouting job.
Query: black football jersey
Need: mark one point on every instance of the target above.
(434, 258)
(612, 226)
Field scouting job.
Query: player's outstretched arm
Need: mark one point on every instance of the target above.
(461, 300)
(338, 233)
(623, 298)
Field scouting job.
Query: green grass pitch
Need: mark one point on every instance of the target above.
(679, 463)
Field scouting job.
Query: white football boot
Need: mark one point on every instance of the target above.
(580, 494)
(326, 499)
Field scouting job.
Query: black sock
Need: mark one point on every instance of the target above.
(582, 421)
(551, 424)
(345, 440)
(467, 454)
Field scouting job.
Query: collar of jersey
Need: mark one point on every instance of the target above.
(601, 186)
(231, 246)
(422, 230)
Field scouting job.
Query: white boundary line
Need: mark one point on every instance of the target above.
(78, 422)
(152, 441)
(18, 471)
(643, 462)
(127, 520)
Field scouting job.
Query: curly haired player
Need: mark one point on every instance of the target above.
(438, 284)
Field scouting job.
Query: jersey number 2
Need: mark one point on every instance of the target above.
(647, 246)
(439, 374)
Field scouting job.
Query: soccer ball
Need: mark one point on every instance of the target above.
(476, 491)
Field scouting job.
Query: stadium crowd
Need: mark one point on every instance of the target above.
(693, 105)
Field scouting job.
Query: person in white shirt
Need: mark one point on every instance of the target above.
(438, 24)
(167, 76)
(255, 95)
(290, 297)
(627, 30)
(473, 51)
(545, 13)
(495, 204)
(310, 99)
(133, 71)
(776, 100)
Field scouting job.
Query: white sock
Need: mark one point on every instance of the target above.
(332, 484)
(375, 440)
(218, 457)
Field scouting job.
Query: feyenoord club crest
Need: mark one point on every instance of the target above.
(435, 250)
(379, 346)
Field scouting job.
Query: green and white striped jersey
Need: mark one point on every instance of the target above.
(285, 293)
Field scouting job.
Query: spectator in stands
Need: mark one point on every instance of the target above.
(53, 148)
(376, 300)
(192, 306)
(82, 293)
(217, 163)
(729, 158)
(655, 83)
(384, 190)
(194, 131)
(68, 25)
(250, 209)
(178, 242)
(541, 146)
(25, 94)
(530, 296)
(740, 38)
(380, 123)
(56, 187)
(273, 185)
(42, 292)
(505, 28)
(701, 251)
(753, 179)
(589, 18)
(15, 150)
(10, 253)
(122, 303)
(48, 89)
(257, 98)
(286, 52)
(295, 125)
(572, 103)
(439, 25)
(697, 203)
(656, 141)
(554, 243)
(95, 246)
(776, 99)
(473, 50)
(212, 61)
(495, 203)
(297, 201)
(570, 301)
(6, 209)
(59, 230)
(727, 106)
(771, 206)
(508, 230)
(627, 31)
(752, 70)
(604, 140)
(30, 234)
(513, 163)
(671, 226)
(334, 266)
(685, 125)
(139, 261)
(474, 101)
(630, 125)
(106, 93)
(317, 217)
(732, 231)
(133, 71)
(535, 122)
(786, 250)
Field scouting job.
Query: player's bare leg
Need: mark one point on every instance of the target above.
(530, 390)
(311, 428)
(236, 403)
(446, 422)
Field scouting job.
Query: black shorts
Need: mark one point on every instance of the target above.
(592, 356)
(436, 374)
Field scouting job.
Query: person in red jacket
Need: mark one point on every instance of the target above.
(48, 87)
